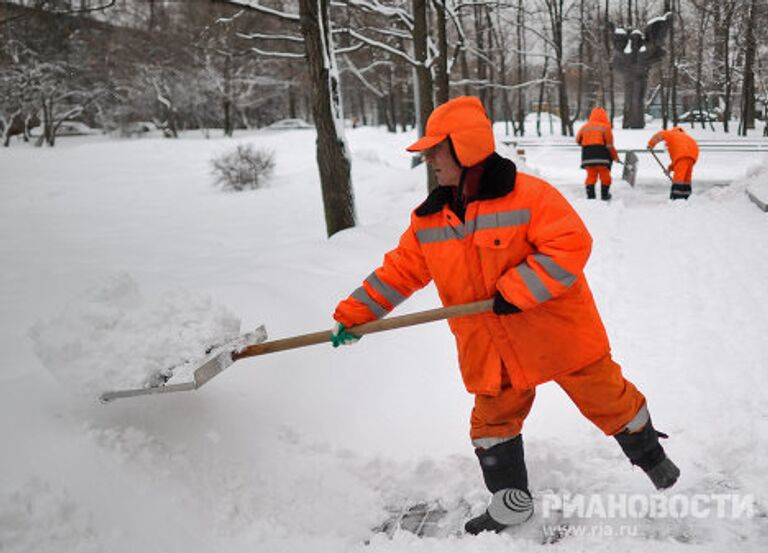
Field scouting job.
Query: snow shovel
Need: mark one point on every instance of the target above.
(629, 172)
(253, 344)
(660, 164)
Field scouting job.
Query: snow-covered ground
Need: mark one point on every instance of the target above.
(119, 257)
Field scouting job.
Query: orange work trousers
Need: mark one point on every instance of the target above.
(600, 391)
(683, 170)
(594, 170)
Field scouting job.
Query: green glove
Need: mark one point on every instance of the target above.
(340, 336)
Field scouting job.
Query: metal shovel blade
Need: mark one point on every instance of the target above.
(250, 345)
(218, 359)
(629, 173)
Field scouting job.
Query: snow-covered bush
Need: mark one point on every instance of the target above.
(244, 168)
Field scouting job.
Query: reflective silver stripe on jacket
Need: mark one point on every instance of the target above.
(440, 234)
(555, 271)
(393, 296)
(595, 161)
(488, 221)
(533, 282)
(639, 421)
(501, 219)
(361, 294)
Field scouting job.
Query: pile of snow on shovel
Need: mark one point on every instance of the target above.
(116, 336)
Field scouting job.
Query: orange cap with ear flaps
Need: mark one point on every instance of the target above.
(464, 121)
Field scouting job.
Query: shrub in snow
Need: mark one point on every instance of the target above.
(245, 168)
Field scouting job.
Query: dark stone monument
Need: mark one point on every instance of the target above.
(635, 52)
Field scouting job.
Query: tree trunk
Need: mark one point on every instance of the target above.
(332, 156)
(726, 55)
(229, 124)
(521, 68)
(748, 87)
(363, 111)
(490, 67)
(699, 68)
(463, 59)
(555, 9)
(442, 90)
(501, 43)
(663, 98)
(291, 102)
(566, 125)
(403, 93)
(580, 86)
(227, 108)
(541, 95)
(481, 73)
(423, 74)
(609, 55)
(673, 66)
(47, 109)
(390, 103)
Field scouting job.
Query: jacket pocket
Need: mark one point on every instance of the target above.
(496, 239)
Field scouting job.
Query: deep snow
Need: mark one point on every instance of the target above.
(119, 256)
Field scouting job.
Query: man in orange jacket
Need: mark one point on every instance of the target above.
(684, 152)
(597, 152)
(488, 231)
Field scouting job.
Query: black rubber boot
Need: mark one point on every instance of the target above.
(483, 523)
(605, 192)
(645, 451)
(504, 471)
(590, 191)
(680, 191)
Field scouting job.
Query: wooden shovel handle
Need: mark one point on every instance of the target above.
(666, 172)
(381, 325)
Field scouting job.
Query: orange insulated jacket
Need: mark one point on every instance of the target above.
(680, 144)
(518, 236)
(596, 140)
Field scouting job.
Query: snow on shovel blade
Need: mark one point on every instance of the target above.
(217, 359)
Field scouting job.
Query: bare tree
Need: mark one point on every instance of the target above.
(723, 16)
(332, 153)
(521, 67)
(748, 83)
(556, 10)
(423, 73)
(333, 160)
(442, 87)
(56, 7)
(701, 31)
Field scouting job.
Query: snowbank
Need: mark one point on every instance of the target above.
(756, 183)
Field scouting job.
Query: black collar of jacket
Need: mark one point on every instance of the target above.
(498, 180)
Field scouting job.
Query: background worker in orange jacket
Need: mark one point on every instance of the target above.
(488, 231)
(684, 152)
(597, 152)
